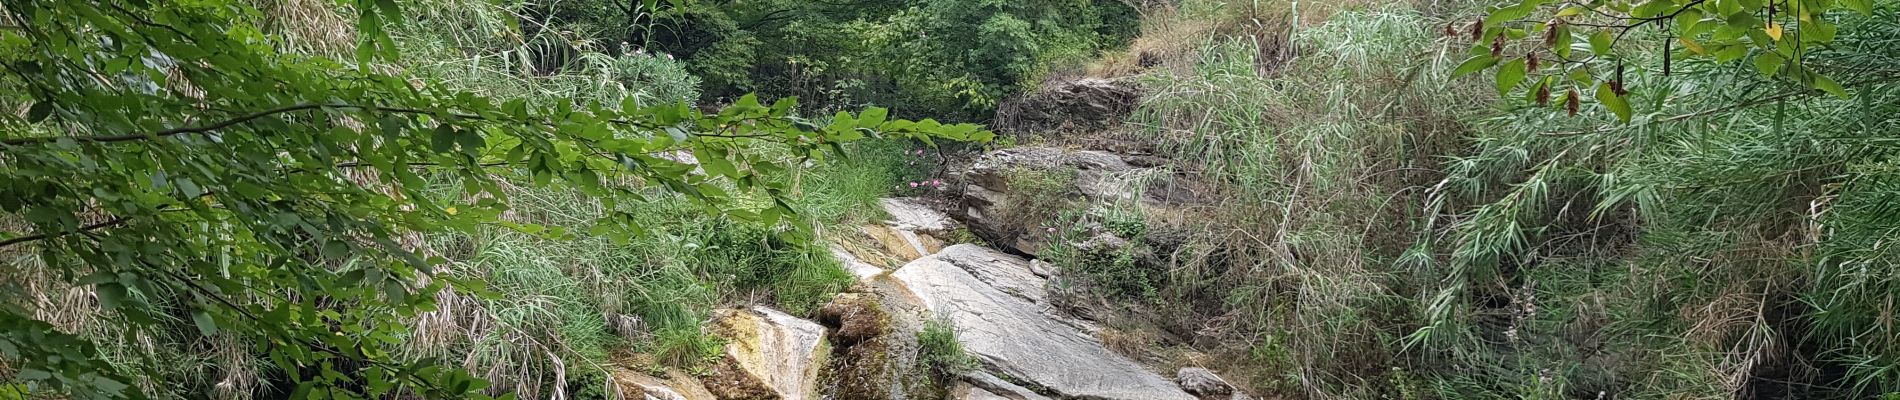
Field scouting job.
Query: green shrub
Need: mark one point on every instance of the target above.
(939, 350)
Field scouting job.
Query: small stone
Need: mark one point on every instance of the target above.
(1202, 382)
(1042, 268)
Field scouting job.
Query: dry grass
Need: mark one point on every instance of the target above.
(310, 26)
(1172, 34)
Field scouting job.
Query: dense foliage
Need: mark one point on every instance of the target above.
(235, 199)
(949, 58)
(1778, 37)
(1379, 237)
(196, 179)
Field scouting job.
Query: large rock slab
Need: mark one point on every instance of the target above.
(768, 355)
(983, 386)
(998, 306)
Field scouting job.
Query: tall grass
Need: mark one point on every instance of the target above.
(1318, 162)
(1383, 233)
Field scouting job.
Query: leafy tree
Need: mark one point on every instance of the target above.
(164, 155)
(1559, 51)
(933, 56)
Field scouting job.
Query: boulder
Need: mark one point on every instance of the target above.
(999, 308)
(1020, 217)
(768, 355)
(1204, 383)
(1085, 104)
(638, 386)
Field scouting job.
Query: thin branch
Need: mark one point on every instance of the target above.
(287, 109)
(163, 133)
(49, 235)
(1713, 111)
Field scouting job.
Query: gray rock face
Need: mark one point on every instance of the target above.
(1068, 105)
(999, 308)
(911, 215)
(1202, 382)
(983, 384)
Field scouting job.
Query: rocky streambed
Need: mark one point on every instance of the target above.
(864, 344)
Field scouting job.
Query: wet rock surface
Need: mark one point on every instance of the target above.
(768, 355)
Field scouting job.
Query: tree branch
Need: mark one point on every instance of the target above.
(1713, 111)
(49, 235)
(163, 133)
(287, 109)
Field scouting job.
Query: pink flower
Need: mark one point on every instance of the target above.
(936, 182)
(913, 184)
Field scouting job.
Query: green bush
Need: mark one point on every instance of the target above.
(939, 350)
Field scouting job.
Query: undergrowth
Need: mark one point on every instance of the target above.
(1380, 233)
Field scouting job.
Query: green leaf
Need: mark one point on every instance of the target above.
(39, 111)
(715, 162)
(1616, 104)
(1829, 85)
(1768, 63)
(1510, 74)
(1600, 42)
(111, 295)
(872, 117)
(29, 374)
(206, 326)
(335, 249)
(1506, 14)
(1474, 64)
(471, 142)
(1687, 19)
(1863, 6)
(1654, 8)
(442, 139)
